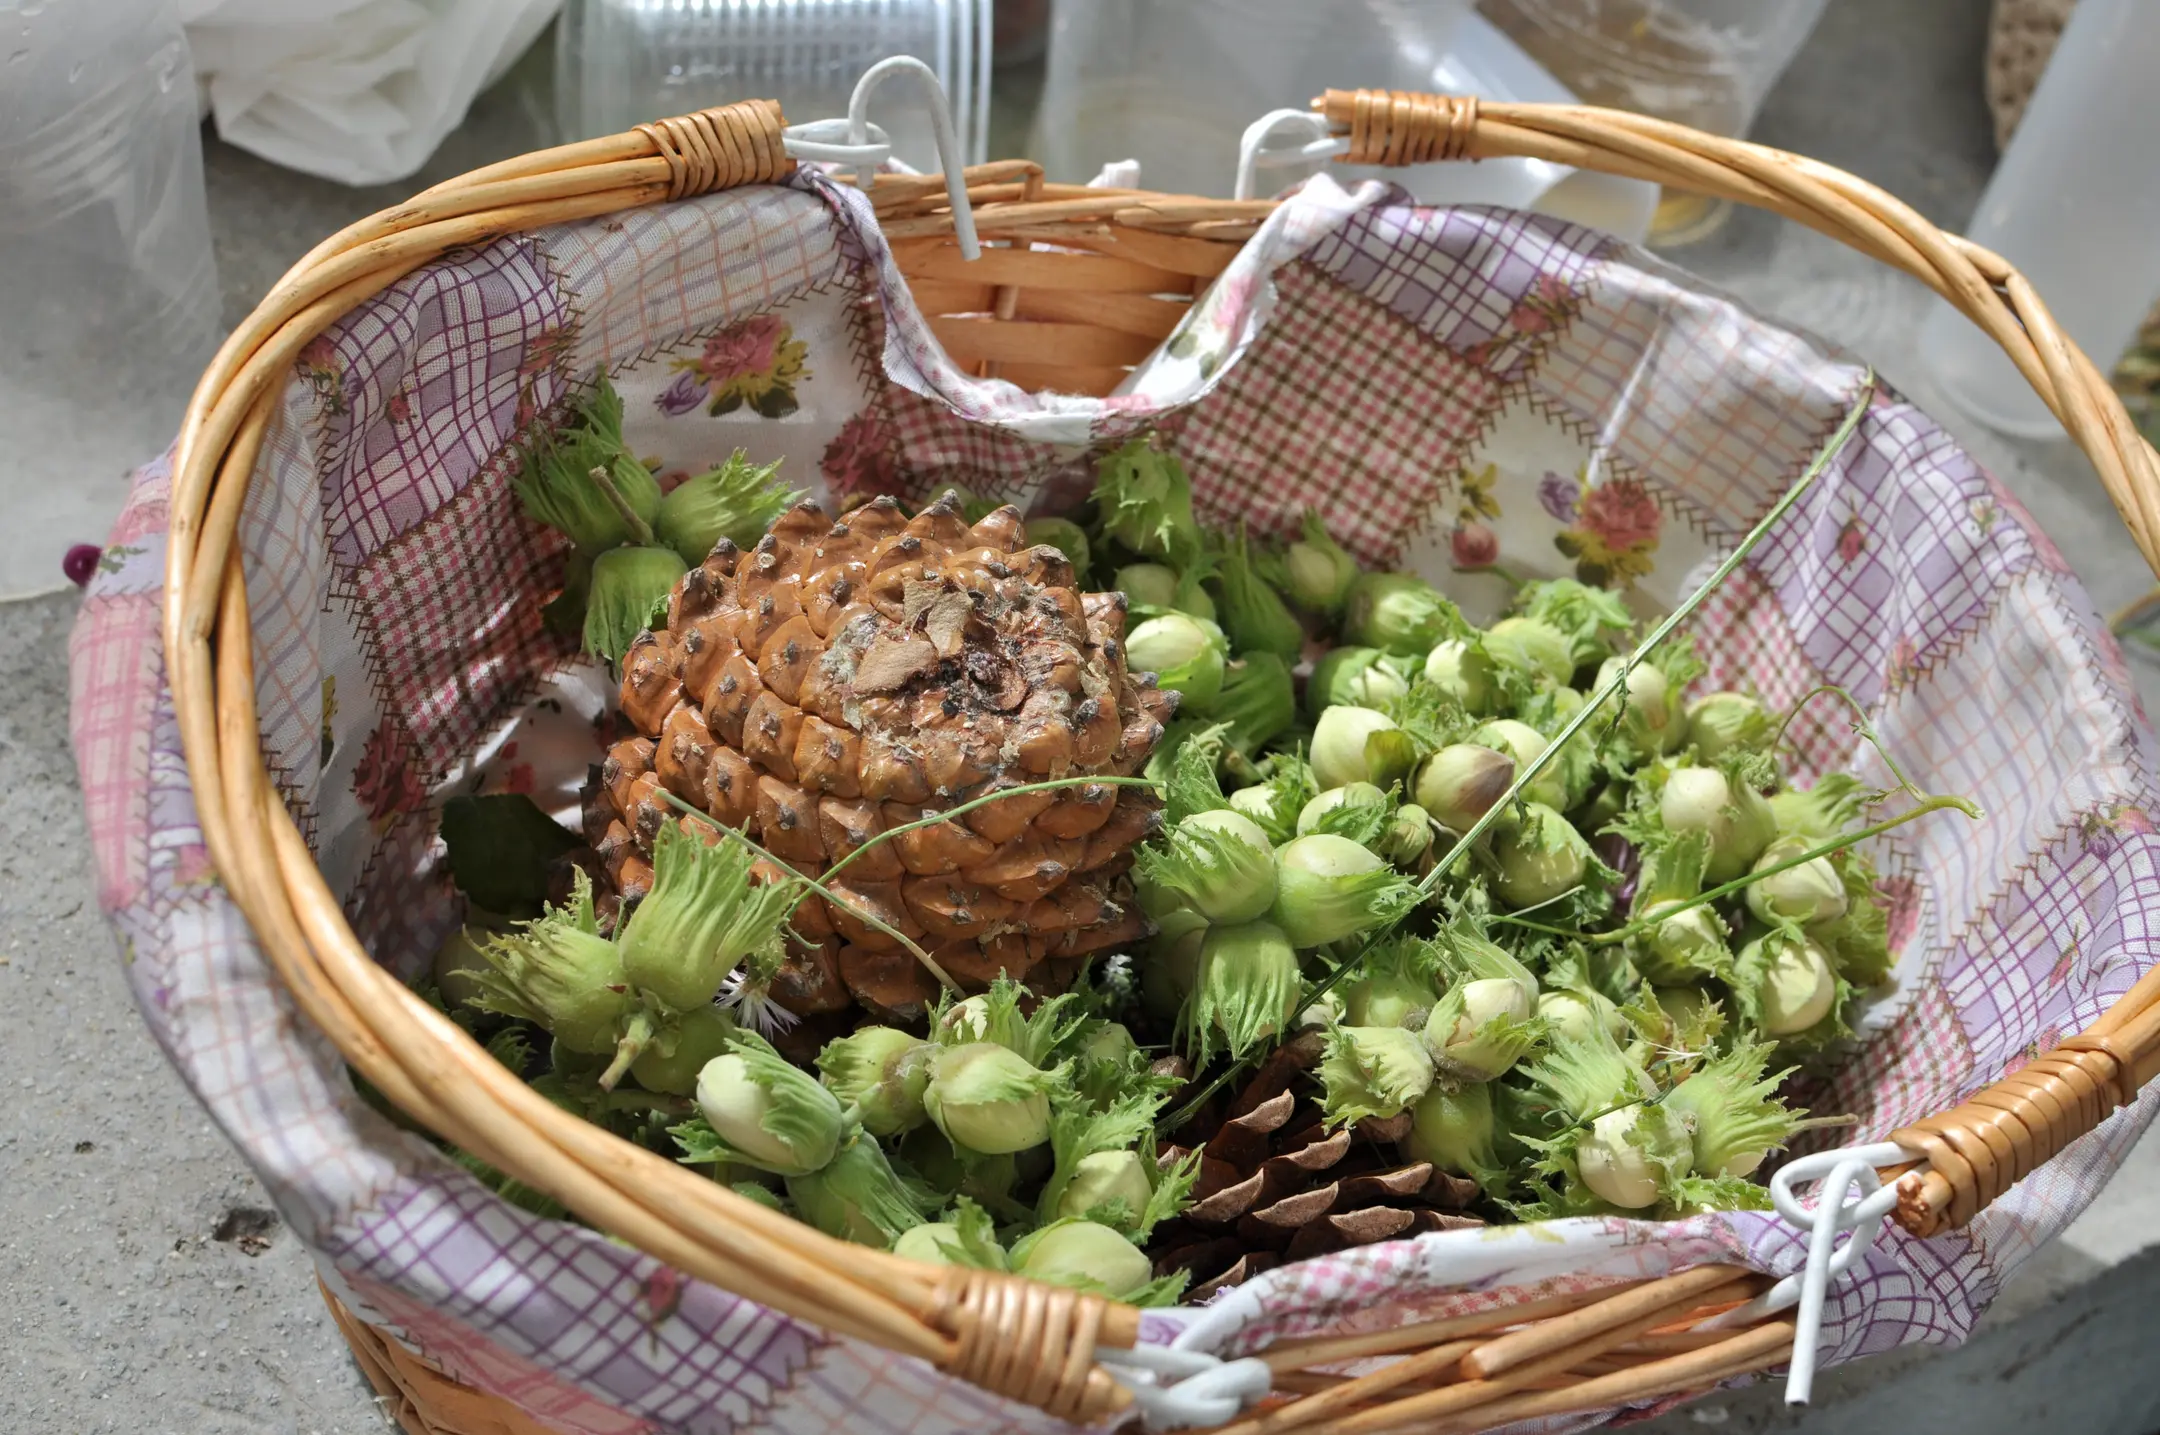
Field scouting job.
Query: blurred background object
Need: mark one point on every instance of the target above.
(2074, 205)
(359, 91)
(1174, 85)
(620, 63)
(1702, 63)
(108, 291)
(2022, 35)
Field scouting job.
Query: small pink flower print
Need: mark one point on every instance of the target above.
(546, 349)
(1545, 308)
(1615, 534)
(192, 867)
(2032, 1051)
(755, 363)
(399, 407)
(1229, 300)
(384, 783)
(1904, 660)
(746, 348)
(1474, 545)
(1622, 512)
(859, 459)
(320, 367)
(661, 1297)
(2133, 820)
(1851, 540)
(1559, 495)
(1901, 899)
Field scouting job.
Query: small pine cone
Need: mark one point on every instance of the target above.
(839, 679)
(1277, 1186)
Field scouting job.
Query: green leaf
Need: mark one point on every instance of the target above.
(500, 848)
(1431, 717)
(1595, 621)
(1145, 502)
(1288, 784)
(516, 1192)
(1672, 867)
(1585, 1078)
(977, 1243)
(1253, 613)
(1162, 1292)
(1078, 1131)
(512, 1047)
(801, 1113)
(1859, 941)
(1172, 1193)
(699, 1143)
(1731, 1108)
(764, 1195)
(738, 501)
(858, 1196)
(1192, 785)
(1700, 1195)
(1373, 1071)
(1361, 822)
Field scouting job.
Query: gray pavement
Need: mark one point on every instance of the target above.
(143, 1287)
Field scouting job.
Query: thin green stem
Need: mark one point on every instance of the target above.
(641, 532)
(966, 807)
(867, 919)
(1823, 849)
(635, 1038)
(1513, 920)
(1861, 726)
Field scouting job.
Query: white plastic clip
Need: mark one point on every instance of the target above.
(1253, 153)
(863, 146)
(1204, 1389)
(1852, 1200)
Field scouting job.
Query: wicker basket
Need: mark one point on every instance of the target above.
(1074, 319)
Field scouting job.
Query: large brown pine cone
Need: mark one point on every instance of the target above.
(1277, 1186)
(847, 677)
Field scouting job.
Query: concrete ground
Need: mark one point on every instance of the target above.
(144, 1287)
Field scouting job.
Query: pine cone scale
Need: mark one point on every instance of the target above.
(1276, 1185)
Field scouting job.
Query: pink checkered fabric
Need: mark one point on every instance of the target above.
(1432, 381)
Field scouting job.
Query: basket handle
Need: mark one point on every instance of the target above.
(1982, 1147)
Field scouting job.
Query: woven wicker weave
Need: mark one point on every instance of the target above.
(1074, 319)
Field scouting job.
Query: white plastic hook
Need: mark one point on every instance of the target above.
(863, 146)
(1318, 145)
(1852, 1200)
(948, 142)
(1202, 1389)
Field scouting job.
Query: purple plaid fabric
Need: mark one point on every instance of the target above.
(1444, 385)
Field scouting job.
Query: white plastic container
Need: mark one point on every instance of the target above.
(1146, 80)
(2075, 205)
(1174, 83)
(108, 292)
(620, 63)
(1704, 63)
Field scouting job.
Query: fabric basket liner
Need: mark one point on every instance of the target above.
(1442, 384)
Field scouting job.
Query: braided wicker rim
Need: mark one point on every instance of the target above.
(1031, 1342)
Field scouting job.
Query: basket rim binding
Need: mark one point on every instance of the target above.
(1035, 1343)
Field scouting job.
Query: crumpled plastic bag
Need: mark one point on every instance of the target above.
(360, 91)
